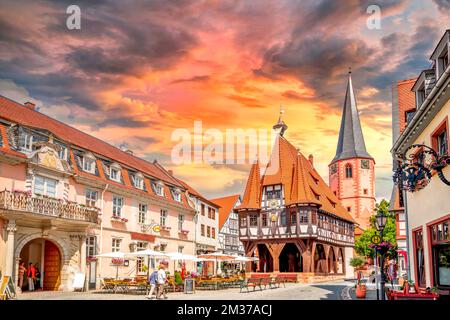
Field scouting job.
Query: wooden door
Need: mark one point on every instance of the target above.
(52, 267)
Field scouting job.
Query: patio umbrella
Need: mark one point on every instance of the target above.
(148, 253)
(180, 256)
(243, 259)
(116, 255)
(217, 256)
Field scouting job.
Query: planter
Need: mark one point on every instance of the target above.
(370, 261)
(361, 291)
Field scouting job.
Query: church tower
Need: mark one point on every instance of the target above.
(352, 171)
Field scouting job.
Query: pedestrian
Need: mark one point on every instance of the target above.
(162, 277)
(31, 275)
(37, 281)
(22, 270)
(153, 279)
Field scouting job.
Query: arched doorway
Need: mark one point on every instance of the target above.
(320, 263)
(265, 259)
(290, 259)
(46, 257)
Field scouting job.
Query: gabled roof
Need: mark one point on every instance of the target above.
(252, 194)
(18, 113)
(226, 207)
(351, 140)
(302, 183)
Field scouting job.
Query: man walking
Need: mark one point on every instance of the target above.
(153, 282)
(162, 277)
(31, 275)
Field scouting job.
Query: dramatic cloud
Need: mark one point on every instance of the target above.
(138, 70)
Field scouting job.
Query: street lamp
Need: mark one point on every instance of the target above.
(380, 223)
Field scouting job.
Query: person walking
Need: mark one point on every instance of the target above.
(22, 270)
(162, 277)
(31, 275)
(153, 282)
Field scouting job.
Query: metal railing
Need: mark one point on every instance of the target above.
(47, 206)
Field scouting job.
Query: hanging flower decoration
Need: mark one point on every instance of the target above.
(383, 247)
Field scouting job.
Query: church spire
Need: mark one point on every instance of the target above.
(351, 140)
(280, 126)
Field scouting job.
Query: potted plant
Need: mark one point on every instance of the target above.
(360, 287)
(357, 262)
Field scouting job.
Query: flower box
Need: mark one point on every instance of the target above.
(91, 259)
(117, 261)
(165, 228)
(119, 219)
(183, 231)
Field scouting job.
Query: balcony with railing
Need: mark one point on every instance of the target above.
(24, 202)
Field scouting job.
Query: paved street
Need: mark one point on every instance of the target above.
(336, 290)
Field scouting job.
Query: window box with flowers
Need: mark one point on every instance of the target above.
(183, 231)
(118, 219)
(91, 259)
(117, 261)
(165, 228)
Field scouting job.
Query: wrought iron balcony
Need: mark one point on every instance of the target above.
(46, 206)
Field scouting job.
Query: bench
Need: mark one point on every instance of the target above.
(251, 282)
(284, 278)
(267, 282)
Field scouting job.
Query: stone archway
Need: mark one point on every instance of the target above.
(290, 259)
(340, 261)
(332, 261)
(320, 261)
(58, 243)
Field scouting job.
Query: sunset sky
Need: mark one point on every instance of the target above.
(136, 71)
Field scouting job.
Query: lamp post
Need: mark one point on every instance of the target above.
(380, 223)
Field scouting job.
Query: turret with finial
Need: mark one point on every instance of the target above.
(280, 125)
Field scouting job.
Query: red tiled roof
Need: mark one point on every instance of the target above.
(18, 113)
(226, 207)
(302, 183)
(252, 194)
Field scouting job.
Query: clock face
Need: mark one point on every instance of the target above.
(273, 203)
(365, 164)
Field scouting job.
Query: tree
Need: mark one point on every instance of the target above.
(389, 232)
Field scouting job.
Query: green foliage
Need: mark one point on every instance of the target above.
(389, 232)
(178, 280)
(357, 262)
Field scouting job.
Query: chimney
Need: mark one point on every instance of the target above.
(311, 159)
(29, 105)
(170, 172)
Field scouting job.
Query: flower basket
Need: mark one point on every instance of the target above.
(382, 248)
(91, 259)
(118, 219)
(117, 261)
(24, 192)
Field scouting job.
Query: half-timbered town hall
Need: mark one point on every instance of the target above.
(291, 219)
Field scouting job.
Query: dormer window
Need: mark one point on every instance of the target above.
(27, 144)
(273, 192)
(176, 195)
(89, 163)
(409, 115)
(114, 172)
(138, 180)
(158, 187)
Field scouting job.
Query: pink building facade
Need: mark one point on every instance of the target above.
(66, 197)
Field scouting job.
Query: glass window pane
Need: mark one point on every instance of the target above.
(39, 185)
(51, 187)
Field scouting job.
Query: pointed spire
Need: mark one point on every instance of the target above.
(280, 125)
(251, 199)
(351, 140)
